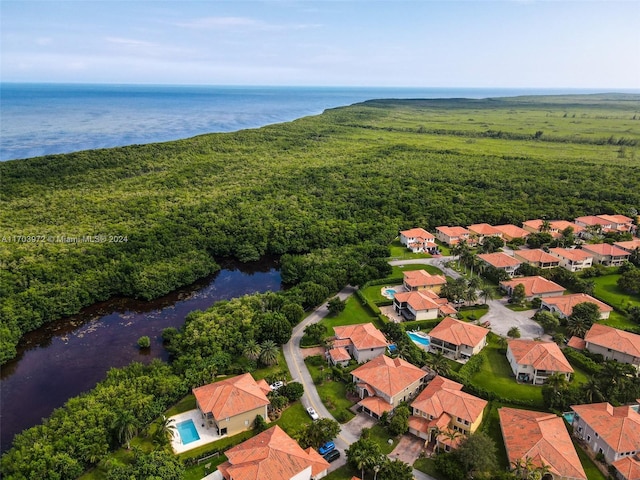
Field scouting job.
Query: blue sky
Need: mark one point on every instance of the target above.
(510, 43)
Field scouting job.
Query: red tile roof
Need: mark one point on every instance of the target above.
(543, 438)
(363, 335)
(339, 354)
(617, 219)
(446, 396)
(387, 375)
(417, 233)
(556, 226)
(629, 246)
(537, 256)
(615, 339)
(593, 220)
(512, 231)
(619, 427)
(417, 300)
(540, 355)
(230, 397)
(458, 332)
(573, 254)
(577, 343)
(422, 278)
(629, 468)
(271, 454)
(453, 231)
(534, 285)
(375, 405)
(499, 260)
(565, 303)
(605, 249)
(484, 229)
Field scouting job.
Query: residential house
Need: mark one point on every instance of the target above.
(535, 286)
(383, 383)
(607, 254)
(274, 455)
(613, 344)
(339, 356)
(362, 341)
(612, 431)
(556, 227)
(441, 408)
(629, 246)
(573, 259)
(537, 258)
(452, 235)
(501, 261)
(421, 305)
(594, 223)
(628, 468)
(415, 280)
(457, 338)
(418, 240)
(231, 405)
(534, 361)
(479, 231)
(511, 232)
(619, 222)
(563, 304)
(541, 438)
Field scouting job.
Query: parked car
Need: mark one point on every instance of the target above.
(332, 456)
(276, 385)
(312, 413)
(326, 448)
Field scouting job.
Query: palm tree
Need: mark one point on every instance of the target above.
(448, 434)
(592, 391)
(470, 295)
(557, 381)
(485, 293)
(269, 355)
(252, 350)
(125, 426)
(438, 363)
(545, 226)
(577, 326)
(165, 432)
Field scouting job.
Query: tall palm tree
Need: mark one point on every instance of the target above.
(438, 363)
(125, 426)
(165, 432)
(485, 293)
(557, 381)
(269, 355)
(252, 350)
(592, 391)
(577, 326)
(545, 226)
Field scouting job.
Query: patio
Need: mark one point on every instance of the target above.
(207, 435)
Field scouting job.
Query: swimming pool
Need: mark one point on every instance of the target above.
(390, 293)
(568, 416)
(419, 338)
(188, 432)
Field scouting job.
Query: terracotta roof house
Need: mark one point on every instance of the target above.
(510, 231)
(573, 259)
(542, 438)
(363, 341)
(501, 261)
(415, 280)
(629, 246)
(619, 222)
(457, 338)
(612, 431)
(606, 254)
(385, 382)
(556, 227)
(231, 405)
(533, 287)
(563, 304)
(594, 221)
(628, 468)
(482, 230)
(422, 305)
(452, 235)
(442, 406)
(613, 344)
(274, 455)
(339, 356)
(537, 258)
(577, 343)
(418, 240)
(534, 361)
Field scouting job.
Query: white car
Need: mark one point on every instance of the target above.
(312, 413)
(276, 385)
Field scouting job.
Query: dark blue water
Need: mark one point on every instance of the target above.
(42, 119)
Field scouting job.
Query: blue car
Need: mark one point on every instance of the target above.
(326, 448)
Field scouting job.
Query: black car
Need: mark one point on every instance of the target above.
(332, 456)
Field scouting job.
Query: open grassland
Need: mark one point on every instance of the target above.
(607, 290)
(349, 175)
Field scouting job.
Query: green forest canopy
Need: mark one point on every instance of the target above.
(352, 174)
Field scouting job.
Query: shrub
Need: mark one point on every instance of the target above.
(144, 342)
(293, 391)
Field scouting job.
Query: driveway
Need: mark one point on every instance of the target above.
(502, 320)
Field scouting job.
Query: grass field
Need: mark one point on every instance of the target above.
(353, 313)
(593, 473)
(400, 252)
(607, 290)
(332, 393)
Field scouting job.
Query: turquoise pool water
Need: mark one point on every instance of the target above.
(568, 416)
(390, 293)
(188, 432)
(419, 339)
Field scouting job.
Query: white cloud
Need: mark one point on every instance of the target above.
(243, 23)
(130, 42)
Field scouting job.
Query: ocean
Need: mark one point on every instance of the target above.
(44, 119)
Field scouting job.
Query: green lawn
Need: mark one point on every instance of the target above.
(606, 289)
(593, 473)
(345, 472)
(496, 375)
(472, 313)
(373, 294)
(332, 393)
(353, 313)
(400, 252)
(396, 271)
(491, 426)
(427, 465)
(380, 435)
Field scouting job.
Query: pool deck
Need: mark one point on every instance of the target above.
(207, 435)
